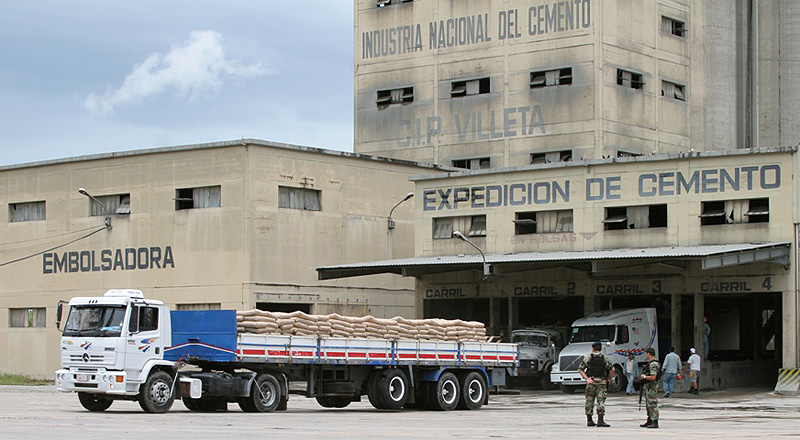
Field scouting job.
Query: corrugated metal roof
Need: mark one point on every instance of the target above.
(401, 266)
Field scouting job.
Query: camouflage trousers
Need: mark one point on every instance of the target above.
(651, 402)
(596, 391)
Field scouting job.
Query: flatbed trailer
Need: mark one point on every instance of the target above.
(199, 357)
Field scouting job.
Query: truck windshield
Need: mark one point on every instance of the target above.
(102, 321)
(536, 340)
(592, 333)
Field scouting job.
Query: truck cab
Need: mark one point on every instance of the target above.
(112, 346)
(538, 351)
(621, 333)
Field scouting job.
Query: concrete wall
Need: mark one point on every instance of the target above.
(246, 251)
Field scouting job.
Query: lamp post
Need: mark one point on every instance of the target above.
(391, 222)
(105, 209)
(486, 266)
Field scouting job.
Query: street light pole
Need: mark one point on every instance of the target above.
(391, 222)
(105, 209)
(487, 268)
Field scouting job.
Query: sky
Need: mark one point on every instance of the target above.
(83, 77)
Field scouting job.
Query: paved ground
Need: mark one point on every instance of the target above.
(41, 412)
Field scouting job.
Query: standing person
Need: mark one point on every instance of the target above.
(631, 372)
(650, 385)
(694, 371)
(706, 332)
(598, 371)
(671, 366)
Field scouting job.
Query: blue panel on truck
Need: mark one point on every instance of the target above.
(203, 334)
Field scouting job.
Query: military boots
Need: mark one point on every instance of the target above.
(646, 424)
(589, 421)
(601, 423)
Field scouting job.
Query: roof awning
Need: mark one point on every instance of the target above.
(711, 256)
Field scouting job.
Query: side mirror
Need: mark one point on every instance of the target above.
(59, 313)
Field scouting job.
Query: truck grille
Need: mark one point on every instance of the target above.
(569, 363)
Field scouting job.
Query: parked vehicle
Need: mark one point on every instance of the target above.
(538, 351)
(122, 346)
(621, 332)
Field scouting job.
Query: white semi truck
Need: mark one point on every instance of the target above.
(122, 346)
(621, 333)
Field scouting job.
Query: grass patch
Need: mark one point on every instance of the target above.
(17, 379)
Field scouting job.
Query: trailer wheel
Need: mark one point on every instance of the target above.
(265, 395)
(333, 401)
(156, 394)
(445, 393)
(95, 402)
(392, 387)
(372, 390)
(473, 391)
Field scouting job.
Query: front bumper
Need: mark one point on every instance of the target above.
(567, 378)
(98, 381)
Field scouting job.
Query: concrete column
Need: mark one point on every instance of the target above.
(699, 312)
(675, 323)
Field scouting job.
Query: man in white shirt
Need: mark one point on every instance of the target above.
(672, 363)
(694, 371)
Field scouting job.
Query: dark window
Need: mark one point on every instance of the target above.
(467, 88)
(384, 3)
(195, 198)
(551, 156)
(403, 96)
(672, 26)
(481, 163)
(713, 213)
(525, 223)
(623, 337)
(616, 218)
(735, 211)
(547, 78)
(673, 91)
(758, 211)
(635, 217)
(143, 319)
(119, 204)
(543, 222)
(629, 79)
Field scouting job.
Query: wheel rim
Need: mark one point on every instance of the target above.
(449, 392)
(397, 389)
(267, 394)
(159, 392)
(475, 390)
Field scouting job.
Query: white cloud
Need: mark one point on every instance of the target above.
(190, 70)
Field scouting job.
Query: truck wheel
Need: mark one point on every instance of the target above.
(95, 402)
(333, 401)
(473, 391)
(618, 382)
(372, 390)
(568, 389)
(156, 394)
(545, 379)
(392, 388)
(265, 394)
(445, 394)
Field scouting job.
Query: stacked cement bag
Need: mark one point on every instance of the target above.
(303, 324)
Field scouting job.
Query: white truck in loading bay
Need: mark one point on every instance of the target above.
(123, 347)
(621, 332)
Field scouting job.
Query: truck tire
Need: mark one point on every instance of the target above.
(568, 389)
(545, 379)
(618, 382)
(265, 395)
(333, 401)
(95, 402)
(445, 393)
(392, 388)
(372, 390)
(156, 395)
(473, 391)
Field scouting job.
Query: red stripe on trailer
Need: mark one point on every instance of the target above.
(356, 354)
(407, 356)
(277, 352)
(378, 355)
(427, 356)
(490, 358)
(251, 351)
(447, 356)
(472, 357)
(507, 358)
(302, 353)
(340, 354)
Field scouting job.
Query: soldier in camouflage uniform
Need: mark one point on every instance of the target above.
(598, 371)
(650, 384)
